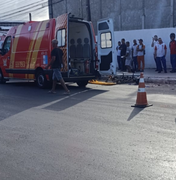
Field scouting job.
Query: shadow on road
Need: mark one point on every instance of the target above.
(135, 112)
(19, 96)
(74, 100)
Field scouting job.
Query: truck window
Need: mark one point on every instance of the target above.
(103, 26)
(6, 46)
(61, 37)
(106, 40)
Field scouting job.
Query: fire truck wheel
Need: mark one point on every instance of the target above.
(82, 83)
(41, 79)
(2, 80)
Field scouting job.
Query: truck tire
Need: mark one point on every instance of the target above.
(82, 84)
(41, 79)
(2, 80)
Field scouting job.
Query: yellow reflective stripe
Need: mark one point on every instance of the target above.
(14, 47)
(31, 45)
(37, 45)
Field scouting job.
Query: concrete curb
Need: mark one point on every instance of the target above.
(160, 80)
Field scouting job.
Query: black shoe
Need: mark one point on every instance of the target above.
(165, 71)
(172, 71)
(156, 69)
(159, 71)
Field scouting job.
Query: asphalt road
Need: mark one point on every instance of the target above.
(94, 134)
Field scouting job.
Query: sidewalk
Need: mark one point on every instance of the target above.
(151, 76)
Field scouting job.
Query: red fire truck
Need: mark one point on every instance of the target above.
(2, 38)
(27, 48)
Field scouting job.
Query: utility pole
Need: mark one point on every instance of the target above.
(101, 16)
(120, 16)
(66, 6)
(172, 13)
(30, 17)
(88, 10)
(143, 14)
(81, 9)
(50, 3)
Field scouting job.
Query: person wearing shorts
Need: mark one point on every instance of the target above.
(154, 43)
(56, 62)
(119, 55)
(128, 57)
(140, 55)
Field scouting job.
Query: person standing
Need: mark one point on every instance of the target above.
(140, 55)
(123, 54)
(154, 42)
(134, 55)
(160, 54)
(119, 55)
(172, 46)
(56, 62)
(128, 57)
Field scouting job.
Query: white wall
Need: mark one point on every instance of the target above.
(146, 35)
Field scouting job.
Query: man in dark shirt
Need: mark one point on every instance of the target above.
(123, 54)
(56, 62)
(172, 46)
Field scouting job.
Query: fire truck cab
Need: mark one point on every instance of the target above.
(27, 48)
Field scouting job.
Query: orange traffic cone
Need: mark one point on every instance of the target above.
(141, 100)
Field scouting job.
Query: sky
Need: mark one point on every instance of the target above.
(18, 10)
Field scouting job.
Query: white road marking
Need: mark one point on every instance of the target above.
(59, 100)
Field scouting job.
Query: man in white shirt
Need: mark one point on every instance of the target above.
(160, 54)
(134, 55)
(119, 55)
(140, 55)
(154, 42)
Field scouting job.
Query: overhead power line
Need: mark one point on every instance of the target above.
(14, 6)
(23, 9)
(28, 5)
(6, 2)
(27, 10)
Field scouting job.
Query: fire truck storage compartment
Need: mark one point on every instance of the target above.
(79, 48)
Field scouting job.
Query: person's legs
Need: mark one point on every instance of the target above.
(158, 61)
(63, 85)
(124, 60)
(122, 66)
(54, 82)
(171, 59)
(143, 63)
(119, 62)
(173, 62)
(139, 63)
(163, 60)
(57, 76)
(54, 86)
(135, 63)
(128, 68)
